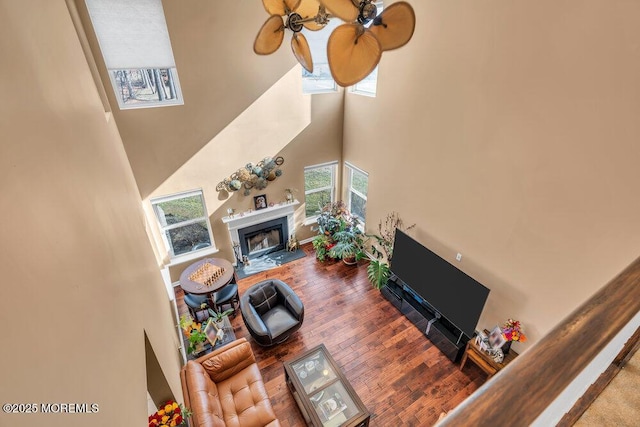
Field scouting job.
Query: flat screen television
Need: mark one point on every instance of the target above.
(449, 291)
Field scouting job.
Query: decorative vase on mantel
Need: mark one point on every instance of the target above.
(506, 347)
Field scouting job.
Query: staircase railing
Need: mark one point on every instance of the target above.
(519, 393)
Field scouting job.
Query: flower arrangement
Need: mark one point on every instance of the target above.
(171, 414)
(193, 332)
(512, 331)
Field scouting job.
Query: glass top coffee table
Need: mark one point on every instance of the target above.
(224, 338)
(322, 392)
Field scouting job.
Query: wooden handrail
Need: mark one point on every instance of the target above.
(519, 393)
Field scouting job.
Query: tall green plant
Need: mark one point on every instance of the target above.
(378, 270)
(350, 243)
(378, 273)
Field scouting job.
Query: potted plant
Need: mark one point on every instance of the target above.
(322, 245)
(218, 317)
(378, 271)
(337, 226)
(349, 246)
(195, 336)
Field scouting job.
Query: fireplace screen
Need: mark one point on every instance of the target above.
(263, 242)
(262, 238)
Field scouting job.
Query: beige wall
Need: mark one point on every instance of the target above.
(508, 131)
(238, 108)
(80, 283)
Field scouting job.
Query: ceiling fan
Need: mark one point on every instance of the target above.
(354, 49)
(292, 15)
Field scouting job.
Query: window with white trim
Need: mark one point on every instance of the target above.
(320, 81)
(357, 184)
(184, 222)
(368, 85)
(319, 187)
(135, 45)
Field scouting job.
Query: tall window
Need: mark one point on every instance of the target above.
(319, 187)
(184, 222)
(135, 44)
(357, 184)
(368, 85)
(320, 81)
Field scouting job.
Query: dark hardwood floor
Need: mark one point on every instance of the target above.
(399, 375)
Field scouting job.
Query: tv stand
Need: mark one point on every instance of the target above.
(446, 337)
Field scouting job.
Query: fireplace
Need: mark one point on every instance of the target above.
(263, 238)
(264, 230)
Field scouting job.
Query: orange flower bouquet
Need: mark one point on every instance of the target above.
(512, 331)
(170, 415)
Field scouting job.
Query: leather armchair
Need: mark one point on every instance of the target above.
(271, 311)
(225, 388)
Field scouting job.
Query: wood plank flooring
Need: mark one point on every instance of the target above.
(400, 376)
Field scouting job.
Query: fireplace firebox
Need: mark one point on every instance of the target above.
(263, 238)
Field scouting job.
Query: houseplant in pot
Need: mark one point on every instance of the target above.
(337, 225)
(378, 271)
(322, 245)
(195, 336)
(349, 243)
(218, 316)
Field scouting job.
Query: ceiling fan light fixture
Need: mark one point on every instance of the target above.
(270, 36)
(353, 52)
(395, 25)
(294, 22)
(368, 11)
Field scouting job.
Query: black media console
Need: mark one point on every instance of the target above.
(449, 339)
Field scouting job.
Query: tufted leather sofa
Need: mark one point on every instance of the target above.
(271, 311)
(225, 388)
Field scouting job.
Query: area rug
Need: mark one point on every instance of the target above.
(267, 262)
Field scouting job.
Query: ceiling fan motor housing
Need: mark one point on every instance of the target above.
(368, 11)
(293, 22)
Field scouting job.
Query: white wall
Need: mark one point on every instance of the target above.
(80, 284)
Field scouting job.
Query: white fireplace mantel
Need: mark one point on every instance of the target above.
(245, 219)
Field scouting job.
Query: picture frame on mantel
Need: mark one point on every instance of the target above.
(260, 202)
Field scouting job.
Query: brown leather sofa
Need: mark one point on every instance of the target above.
(225, 388)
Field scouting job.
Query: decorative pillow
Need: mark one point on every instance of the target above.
(264, 298)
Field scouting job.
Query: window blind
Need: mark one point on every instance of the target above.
(132, 33)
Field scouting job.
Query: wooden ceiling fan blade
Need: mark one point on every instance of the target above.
(309, 9)
(395, 25)
(280, 7)
(353, 52)
(301, 51)
(343, 9)
(270, 36)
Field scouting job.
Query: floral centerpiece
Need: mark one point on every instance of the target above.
(171, 414)
(512, 331)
